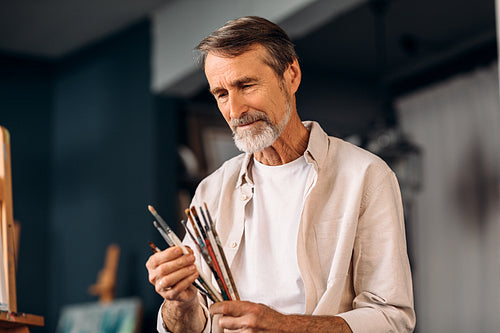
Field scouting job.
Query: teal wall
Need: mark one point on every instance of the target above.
(92, 147)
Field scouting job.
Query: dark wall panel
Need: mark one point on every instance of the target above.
(104, 170)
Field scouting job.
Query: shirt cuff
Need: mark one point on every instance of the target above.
(365, 320)
(162, 328)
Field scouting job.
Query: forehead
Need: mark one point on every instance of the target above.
(250, 63)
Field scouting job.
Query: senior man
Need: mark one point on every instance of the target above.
(312, 226)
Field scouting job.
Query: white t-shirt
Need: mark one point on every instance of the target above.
(265, 268)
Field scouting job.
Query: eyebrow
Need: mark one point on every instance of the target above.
(236, 83)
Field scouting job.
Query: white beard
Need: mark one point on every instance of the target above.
(262, 135)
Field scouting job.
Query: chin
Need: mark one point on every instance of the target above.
(255, 143)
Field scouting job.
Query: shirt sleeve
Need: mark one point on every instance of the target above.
(381, 270)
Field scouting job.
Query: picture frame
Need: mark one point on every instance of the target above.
(218, 146)
(210, 138)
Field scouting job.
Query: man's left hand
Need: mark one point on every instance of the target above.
(248, 317)
(245, 317)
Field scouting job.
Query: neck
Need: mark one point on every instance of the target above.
(291, 144)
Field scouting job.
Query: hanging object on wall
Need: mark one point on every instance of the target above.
(386, 139)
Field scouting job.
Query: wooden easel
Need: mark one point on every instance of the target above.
(10, 321)
(106, 278)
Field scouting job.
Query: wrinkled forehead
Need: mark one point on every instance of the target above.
(250, 60)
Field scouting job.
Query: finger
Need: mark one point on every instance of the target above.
(164, 256)
(170, 267)
(170, 280)
(231, 308)
(246, 323)
(186, 283)
(240, 315)
(178, 291)
(234, 324)
(220, 308)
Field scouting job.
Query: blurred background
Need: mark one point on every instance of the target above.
(108, 113)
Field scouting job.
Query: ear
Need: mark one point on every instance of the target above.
(293, 75)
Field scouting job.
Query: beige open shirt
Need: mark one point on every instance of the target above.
(351, 245)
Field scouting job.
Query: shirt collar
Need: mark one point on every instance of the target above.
(316, 151)
(317, 146)
(244, 177)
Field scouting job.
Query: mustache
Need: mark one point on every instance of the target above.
(248, 118)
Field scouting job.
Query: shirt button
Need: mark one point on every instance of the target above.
(234, 244)
(244, 197)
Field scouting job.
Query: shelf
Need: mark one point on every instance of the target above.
(10, 320)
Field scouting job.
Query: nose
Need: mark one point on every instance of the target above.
(237, 106)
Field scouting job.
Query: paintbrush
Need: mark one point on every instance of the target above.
(168, 233)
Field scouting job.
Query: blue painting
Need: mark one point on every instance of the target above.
(119, 316)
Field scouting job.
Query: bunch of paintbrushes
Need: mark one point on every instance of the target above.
(208, 243)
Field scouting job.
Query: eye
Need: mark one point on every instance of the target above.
(221, 96)
(246, 86)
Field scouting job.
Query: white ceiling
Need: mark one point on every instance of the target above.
(54, 28)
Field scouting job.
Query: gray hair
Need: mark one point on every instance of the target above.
(240, 35)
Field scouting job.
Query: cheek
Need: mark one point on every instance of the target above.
(275, 108)
(271, 101)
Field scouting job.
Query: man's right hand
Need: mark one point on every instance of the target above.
(173, 273)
